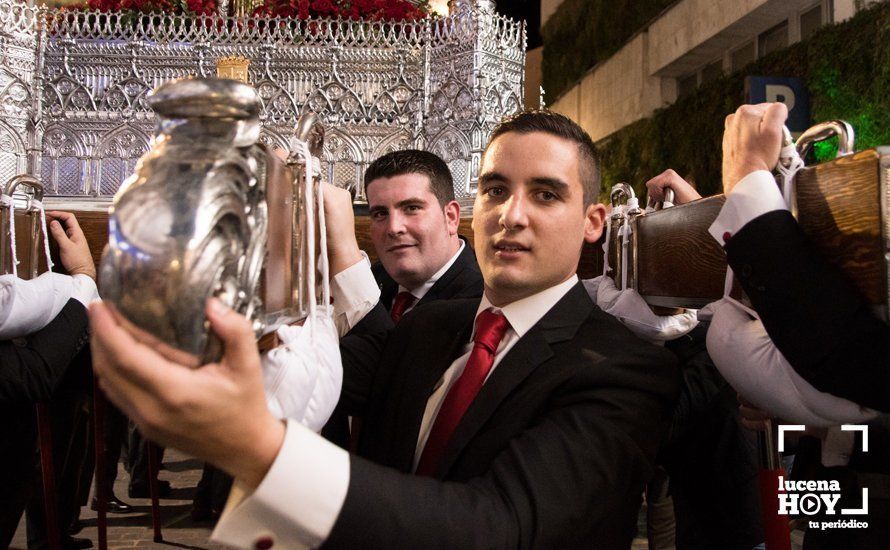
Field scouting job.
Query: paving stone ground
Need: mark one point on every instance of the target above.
(135, 530)
(179, 531)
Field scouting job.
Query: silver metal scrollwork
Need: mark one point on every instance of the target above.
(74, 86)
(191, 222)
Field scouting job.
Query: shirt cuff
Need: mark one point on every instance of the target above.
(355, 292)
(837, 447)
(755, 195)
(298, 501)
(84, 289)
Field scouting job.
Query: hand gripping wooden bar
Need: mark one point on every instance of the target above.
(843, 206)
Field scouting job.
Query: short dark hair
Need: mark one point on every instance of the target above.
(414, 161)
(549, 122)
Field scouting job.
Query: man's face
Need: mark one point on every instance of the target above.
(413, 235)
(529, 220)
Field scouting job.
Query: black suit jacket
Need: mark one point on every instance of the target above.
(552, 453)
(812, 312)
(462, 280)
(32, 367)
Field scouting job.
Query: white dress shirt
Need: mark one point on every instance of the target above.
(301, 496)
(755, 195)
(27, 306)
(354, 293)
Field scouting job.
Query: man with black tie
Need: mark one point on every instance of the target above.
(529, 418)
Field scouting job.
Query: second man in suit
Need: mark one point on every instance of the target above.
(414, 222)
(414, 228)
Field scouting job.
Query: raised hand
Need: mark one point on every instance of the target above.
(752, 141)
(217, 412)
(683, 192)
(73, 247)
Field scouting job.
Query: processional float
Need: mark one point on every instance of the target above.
(76, 85)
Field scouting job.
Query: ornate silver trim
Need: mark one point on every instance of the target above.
(73, 87)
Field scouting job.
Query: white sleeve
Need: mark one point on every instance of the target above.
(755, 195)
(297, 502)
(355, 293)
(27, 306)
(84, 290)
(752, 364)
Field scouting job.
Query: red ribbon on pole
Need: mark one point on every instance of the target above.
(776, 529)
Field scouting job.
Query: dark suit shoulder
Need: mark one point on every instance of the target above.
(619, 356)
(607, 335)
(440, 315)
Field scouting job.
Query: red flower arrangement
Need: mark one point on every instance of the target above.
(369, 10)
(193, 7)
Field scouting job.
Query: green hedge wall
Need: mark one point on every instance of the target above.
(846, 68)
(583, 32)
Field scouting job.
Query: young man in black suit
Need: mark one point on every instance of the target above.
(529, 418)
(414, 222)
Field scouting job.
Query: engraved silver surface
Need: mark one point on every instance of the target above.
(73, 87)
(190, 223)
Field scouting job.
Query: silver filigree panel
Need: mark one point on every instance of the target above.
(73, 87)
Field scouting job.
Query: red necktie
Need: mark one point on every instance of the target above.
(402, 303)
(490, 329)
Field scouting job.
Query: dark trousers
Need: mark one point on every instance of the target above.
(710, 458)
(115, 440)
(18, 432)
(213, 489)
(137, 458)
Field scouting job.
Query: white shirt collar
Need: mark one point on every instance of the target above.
(525, 313)
(421, 291)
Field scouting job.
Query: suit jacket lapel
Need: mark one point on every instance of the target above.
(388, 290)
(438, 290)
(559, 324)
